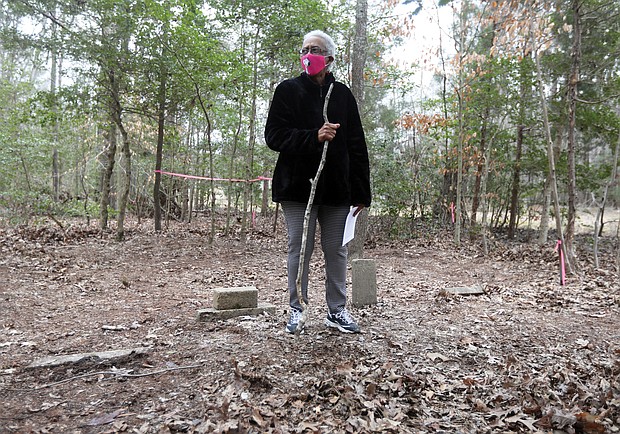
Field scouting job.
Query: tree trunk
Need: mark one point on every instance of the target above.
(358, 58)
(231, 165)
(126, 185)
(186, 184)
(55, 173)
(485, 208)
(446, 196)
(248, 186)
(572, 108)
(461, 131)
(516, 177)
(547, 193)
(550, 156)
(53, 81)
(598, 223)
(161, 120)
(516, 174)
(211, 170)
(482, 163)
(543, 229)
(109, 152)
(264, 209)
(479, 170)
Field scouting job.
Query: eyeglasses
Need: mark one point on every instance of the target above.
(312, 50)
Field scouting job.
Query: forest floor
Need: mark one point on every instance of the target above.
(526, 356)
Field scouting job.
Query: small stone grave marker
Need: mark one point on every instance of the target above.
(233, 302)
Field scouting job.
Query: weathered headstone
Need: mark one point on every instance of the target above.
(364, 282)
(233, 302)
(235, 298)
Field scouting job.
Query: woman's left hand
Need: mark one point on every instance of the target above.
(358, 209)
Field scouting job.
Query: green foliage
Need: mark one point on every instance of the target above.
(220, 60)
(20, 206)
(391, 181)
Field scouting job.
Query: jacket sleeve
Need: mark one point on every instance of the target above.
(359, 166)
(282, 129)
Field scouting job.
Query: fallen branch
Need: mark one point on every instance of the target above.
(118, 373)
(304, 237)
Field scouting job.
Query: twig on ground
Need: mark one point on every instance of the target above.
(118, 373)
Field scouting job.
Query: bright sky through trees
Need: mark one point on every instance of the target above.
(420, 50)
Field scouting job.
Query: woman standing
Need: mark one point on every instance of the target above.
(296, 129)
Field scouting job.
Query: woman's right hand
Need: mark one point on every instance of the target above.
(327, 132)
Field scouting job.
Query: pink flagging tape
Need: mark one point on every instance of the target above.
(558, 248)
(452, 211)
(205, 178)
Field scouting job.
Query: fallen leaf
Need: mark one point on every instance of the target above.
(589, 423)
(469, 382)
(105, 418)
(583, 343)
(435, 356)
(561, 420)
(257, 417)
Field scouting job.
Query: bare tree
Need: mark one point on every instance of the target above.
(550, 153)
(598, 223)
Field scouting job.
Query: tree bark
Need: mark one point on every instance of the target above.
(484, 224)
(543, 228)
(441, 207)
(573, 81)
(461, 130)
(550, 156)
(126, 185)
(516, 174)
(516, 177)
(53, 81)
(248, 186)
(598, 223)
(109, 152)
(265, 196)
(231, 165)
(547, 193)
(161, 120)
(479, 170)
(360, 48)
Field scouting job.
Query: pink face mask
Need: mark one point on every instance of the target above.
(313, 63)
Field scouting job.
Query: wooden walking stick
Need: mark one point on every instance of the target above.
(304, 236)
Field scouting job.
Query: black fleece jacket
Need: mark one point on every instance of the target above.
(295, 117)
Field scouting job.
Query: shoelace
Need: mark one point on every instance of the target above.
(345, 316)
(295, 316)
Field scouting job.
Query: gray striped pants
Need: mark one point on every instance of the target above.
(331, 220)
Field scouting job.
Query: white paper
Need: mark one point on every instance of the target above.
(349, 227)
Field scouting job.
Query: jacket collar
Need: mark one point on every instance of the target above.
(329, 79)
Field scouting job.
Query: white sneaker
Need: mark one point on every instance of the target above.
(343, 321)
